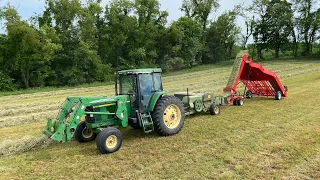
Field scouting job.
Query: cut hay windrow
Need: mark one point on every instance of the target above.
(300, 73)
(28, 110)
(32, 104)
(25, 119)
(196, 86)
(27, 143)
(197, 74)
(55, 93)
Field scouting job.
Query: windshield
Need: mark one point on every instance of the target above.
(128, 84)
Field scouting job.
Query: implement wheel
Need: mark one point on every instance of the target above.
(240, 102)
(249, 94)
(235, 102)
(278, 95)
(168, 116)
(84, 134)
(109, 140)
(214, 109)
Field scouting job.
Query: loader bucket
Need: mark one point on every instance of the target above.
(49, 129)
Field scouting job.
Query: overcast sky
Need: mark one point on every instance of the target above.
(27, 8)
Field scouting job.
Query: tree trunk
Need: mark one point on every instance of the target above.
(25, 80)
(277, 52)
(260, 53)
(295, 47)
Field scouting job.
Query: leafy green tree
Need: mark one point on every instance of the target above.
(221, 37)
(75, 24)
(118, 33)
(249, 22)
(188, 41)
(260, 35)
(24, 59)
(199, 10)
(308, 22)
(278, 20)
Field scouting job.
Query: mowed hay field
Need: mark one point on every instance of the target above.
(264, 139)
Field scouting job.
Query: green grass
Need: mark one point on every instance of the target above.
(264, 139)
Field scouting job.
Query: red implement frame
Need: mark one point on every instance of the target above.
(258, 80)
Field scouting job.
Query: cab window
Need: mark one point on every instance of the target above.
(128, 84)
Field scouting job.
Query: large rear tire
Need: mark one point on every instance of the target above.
(83, 134)
(168, 116)
(109, 140)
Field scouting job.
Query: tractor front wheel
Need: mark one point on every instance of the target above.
(214, 109)
(109, 140)
(84, 134)
(168, 116)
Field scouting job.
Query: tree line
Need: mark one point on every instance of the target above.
(74, 42)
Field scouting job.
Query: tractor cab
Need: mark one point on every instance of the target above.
(140, 85)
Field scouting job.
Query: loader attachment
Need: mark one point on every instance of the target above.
(102, 112)
(63, 128)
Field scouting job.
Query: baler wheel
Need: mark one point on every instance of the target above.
(83, 134)
(214, 109)
(278, 95)
(168, 116)
(198, 106)
(109, 140)
(240, 102)
(235, 102)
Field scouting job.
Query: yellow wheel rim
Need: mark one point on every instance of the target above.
(216, 109)
(111, 141)
(172, 116)
(87, 133)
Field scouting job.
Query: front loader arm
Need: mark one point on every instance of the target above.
(63, 128)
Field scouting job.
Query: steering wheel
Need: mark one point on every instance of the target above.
(131, 92)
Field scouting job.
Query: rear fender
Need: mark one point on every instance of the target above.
(155, 98)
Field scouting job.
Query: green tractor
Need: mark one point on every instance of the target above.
(140, 102)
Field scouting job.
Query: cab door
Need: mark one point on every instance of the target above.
(146, 91)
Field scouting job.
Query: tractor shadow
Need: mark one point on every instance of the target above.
(129, 134)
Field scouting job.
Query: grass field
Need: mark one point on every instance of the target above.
(264, 139)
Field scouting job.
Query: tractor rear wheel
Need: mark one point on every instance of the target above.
(168, 116)
(84, 134)
(109, 140)
(214, 109)
(278, 95)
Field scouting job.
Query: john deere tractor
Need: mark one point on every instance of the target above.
(139, 102)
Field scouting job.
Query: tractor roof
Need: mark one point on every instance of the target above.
(140, 71)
